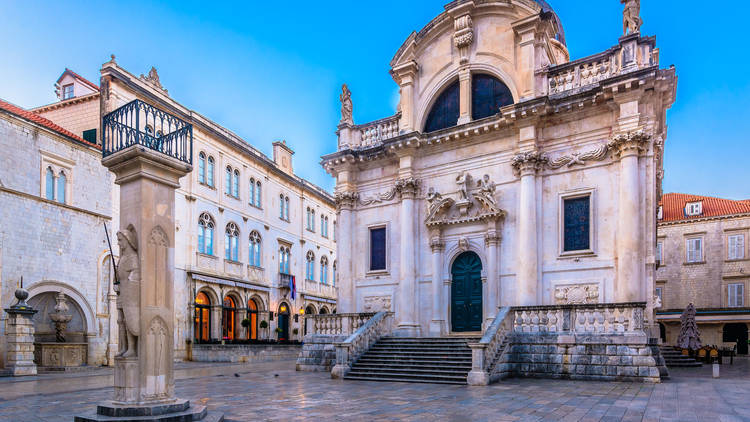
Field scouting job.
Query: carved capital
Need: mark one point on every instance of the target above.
(407, 188)
(629, 143)
(528, 162)
(345, 200)
(437, 244)
(492, 237)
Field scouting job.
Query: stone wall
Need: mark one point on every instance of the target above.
(580, 357)
(245, 352)
(319, 352)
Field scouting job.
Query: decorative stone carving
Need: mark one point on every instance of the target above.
(128, 292)
(60, 317)
(346, 106)
(657, 301)
(463, 36)
(634, 142)
(577, 294)
(486, 194)
(345, 200)
(463, 244)
(378, 198)
(153, 79)
(528, 162)
(631, 17)
(443, 211)
(377, 303)
(436, 203)
(580, 158)
(407, 187)
(463, 181)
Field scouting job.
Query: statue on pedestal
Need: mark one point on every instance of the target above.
(346, 105)
(128, 293)
(631, 19)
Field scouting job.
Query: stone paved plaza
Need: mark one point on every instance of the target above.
(274, 391)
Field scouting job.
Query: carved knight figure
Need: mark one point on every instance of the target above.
(463, 181)
(346, 105)
(631, 19)
(128, 293)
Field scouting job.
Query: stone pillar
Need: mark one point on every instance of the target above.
(404, 75)
(19, 336)
(407, 306)
(630, 264)
(437, 324)
(112, 323)
(528, 32)
(345, 203)
(526, 166)
(492, 241)
(464, 96)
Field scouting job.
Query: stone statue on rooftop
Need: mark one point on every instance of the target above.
(631, 17)
(346, 105)
(128, 293)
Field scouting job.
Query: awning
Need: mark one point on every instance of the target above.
(318, 298)
(231, 283)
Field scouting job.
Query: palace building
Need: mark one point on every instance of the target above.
(510, 174)
(255, 242)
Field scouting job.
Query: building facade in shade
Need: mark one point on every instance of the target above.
(509, 174)
(55, 197)
(702, 258)
(249, 231)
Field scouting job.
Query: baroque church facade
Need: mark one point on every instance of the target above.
(509, 175)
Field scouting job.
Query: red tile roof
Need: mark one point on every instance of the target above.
(35, 118)
(673, 206)
(79, 77)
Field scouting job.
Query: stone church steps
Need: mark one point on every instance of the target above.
(422, 360)
(675, 358)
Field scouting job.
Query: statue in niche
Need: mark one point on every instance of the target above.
(128, 290)
(631, 19)
(346, 105)
(463, 181)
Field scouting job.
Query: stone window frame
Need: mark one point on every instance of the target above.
(742, 294)
(659, 291)
(729, 233)
(691, 237)
(593, 227)
(324, 270)
(58, 165)
(255, 192)
(310, 266)
(387, 269)
(659, 252)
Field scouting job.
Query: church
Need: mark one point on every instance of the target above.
(510, 175)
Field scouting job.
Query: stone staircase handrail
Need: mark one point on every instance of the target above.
(348, 351)
(597, 318)
(485, 353)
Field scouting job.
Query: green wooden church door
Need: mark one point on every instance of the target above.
(466, 293)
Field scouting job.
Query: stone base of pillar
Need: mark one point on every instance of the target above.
(339, 370)
(437, 328)
(179, 410)
(407, 329)
(22, 370)
(478, 378)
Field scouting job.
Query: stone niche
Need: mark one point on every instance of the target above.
(48, 352)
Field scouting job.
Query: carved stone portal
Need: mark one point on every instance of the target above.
(576, 294)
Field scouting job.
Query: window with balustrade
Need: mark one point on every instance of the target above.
(254, 249)
(206, 234)
(310, 265)
(231, 247)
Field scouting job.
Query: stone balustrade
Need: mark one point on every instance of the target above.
(337, 324)
(324, 333)
(606, 318)
(348, 351)
(376, 132)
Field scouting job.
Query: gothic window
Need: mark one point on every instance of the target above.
(49, 184)
(312, 220)
(308, 214)
(236, 184)
(231, 247)
(258, 202)
(284, 259)
(62, 182)
(324, 270)
(286, 208)
(228, 310)
(202, 167)
(335, 273)
(252, 191)
(202, 324)
(577, 224)
(228, 181)
(210, 172)
(377, 249)
(659, 253)
(206, 234)
(310, 267)
(488, 94)
(281, 206)
(444, 112)
(254, 249)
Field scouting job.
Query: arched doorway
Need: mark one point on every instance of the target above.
(737, 332)
(323, 310)
(252, 315)
(466, 293)
(202, 324)
(662, 332)
(228, 313)
(283, 322)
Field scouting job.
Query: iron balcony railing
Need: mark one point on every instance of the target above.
(140, 123)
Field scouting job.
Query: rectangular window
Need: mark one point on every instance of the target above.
(89, 135)
(694, 249)
(576, 235)
(68, 92)
(736, 293)
(736, 245)
(694, 208)
(659, 253)
(377, 249)
(659, 295)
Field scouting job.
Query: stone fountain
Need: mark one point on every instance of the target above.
(60, 355)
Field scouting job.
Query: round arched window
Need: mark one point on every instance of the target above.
(488, 94)
(444, 112)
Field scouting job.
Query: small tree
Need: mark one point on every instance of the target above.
(246, 322)
(263, 325)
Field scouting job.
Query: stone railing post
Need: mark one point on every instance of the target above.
(478, 374)
(342, 360)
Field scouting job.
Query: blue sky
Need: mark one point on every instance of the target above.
(273, 70)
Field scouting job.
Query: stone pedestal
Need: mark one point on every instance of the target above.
(20, 340)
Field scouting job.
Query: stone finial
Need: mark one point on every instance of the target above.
(631, 19)
(346, 106)
(112, 59)
(21, 296)
(153, 79)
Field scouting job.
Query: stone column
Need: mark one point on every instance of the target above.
(464, 96)
(526, 166)
(492, 241)
(404, 75)
(19, 336)
(437, 324)
(345, 203)
(112, 323)
(628, 147)
(406, 312)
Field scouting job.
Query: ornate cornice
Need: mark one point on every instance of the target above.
(345, 200)
(407, 188)
(528, 162)
(629, 143)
